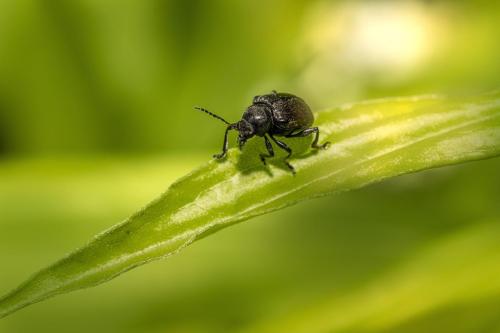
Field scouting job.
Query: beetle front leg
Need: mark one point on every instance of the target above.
(284, 146)
(269, 150)
(224, 145)
(307, 132)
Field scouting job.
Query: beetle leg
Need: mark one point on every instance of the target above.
(269, 150)
(283, 146)
(307, 132)
(224, 144)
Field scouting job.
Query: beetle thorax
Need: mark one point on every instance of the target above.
(259, 117)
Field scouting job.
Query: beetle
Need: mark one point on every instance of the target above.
(271, 115)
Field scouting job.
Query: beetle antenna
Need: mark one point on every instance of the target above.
(212, 114)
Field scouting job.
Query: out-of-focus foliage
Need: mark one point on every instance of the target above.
(123, 75)
(102, 78)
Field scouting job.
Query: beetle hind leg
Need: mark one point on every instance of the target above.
(310, 131)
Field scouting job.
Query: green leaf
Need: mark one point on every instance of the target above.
(371, 141)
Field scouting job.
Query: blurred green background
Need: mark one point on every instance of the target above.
(96, 120)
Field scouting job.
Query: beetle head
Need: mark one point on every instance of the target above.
(245, 128)
(246, 131)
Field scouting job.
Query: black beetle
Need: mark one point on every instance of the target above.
(275, 114)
